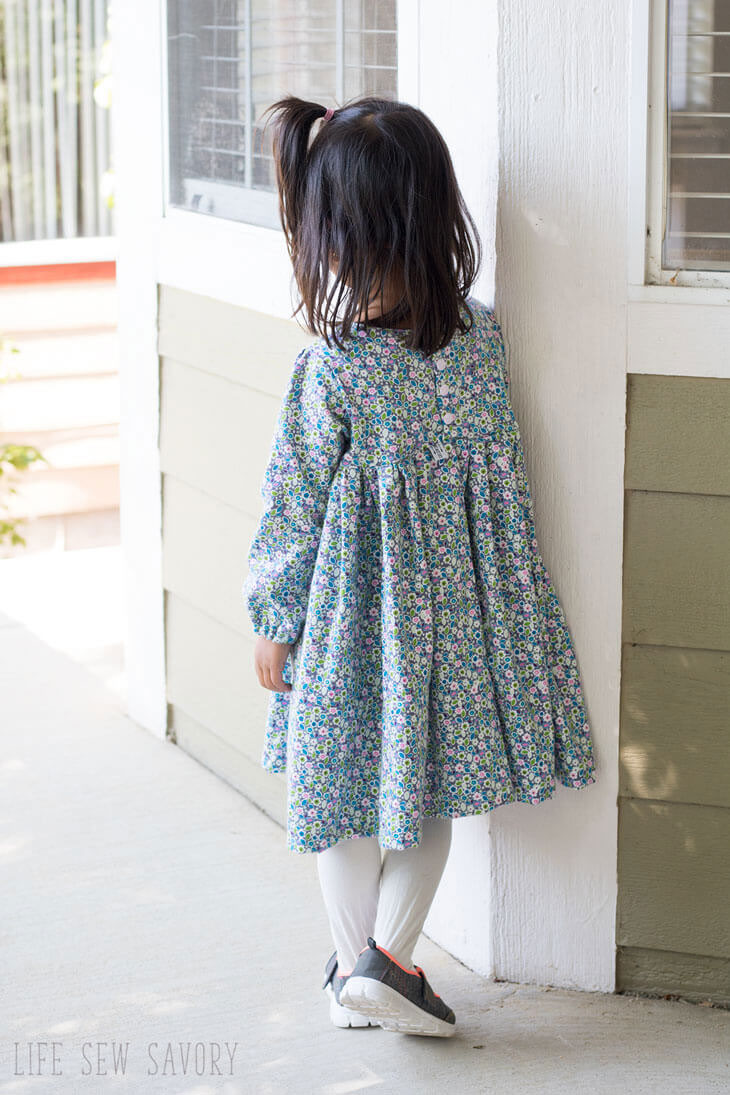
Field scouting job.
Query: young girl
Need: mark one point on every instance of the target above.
(418, 657)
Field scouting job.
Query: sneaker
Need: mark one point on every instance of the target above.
(399, 999)
(341, 1016)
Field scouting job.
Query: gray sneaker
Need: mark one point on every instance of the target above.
(399, 999)
(341, 1016)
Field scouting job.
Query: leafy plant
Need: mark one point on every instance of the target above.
(17, 458)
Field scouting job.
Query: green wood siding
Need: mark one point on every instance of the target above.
(675, 879)
(673, 927)
(670, 422)
(675, 741)
(223, 371)
(692, 976)
(677, 577)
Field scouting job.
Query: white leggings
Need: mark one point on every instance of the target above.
(386, 897)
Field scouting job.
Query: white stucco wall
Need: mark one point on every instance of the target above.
(561, 297)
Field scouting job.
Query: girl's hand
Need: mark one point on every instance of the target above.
(269, 659)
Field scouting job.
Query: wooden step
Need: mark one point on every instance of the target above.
(66, 531)
(79, 306)
(68, 354)
(42, 490)
(58, 402)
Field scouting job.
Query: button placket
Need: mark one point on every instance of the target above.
(443, 389)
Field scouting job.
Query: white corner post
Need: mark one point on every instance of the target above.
(137, 142)
(562, 253)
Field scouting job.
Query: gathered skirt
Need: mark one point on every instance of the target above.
(435, 674)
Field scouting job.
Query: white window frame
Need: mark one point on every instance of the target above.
(205, 253)
(261, 206)
(650, 37)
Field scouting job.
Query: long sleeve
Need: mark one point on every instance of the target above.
(312, 433)
(574, 760)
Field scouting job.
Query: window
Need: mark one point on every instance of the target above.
(697, 210)
(228, 60)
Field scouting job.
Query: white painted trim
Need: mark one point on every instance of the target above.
(409, 34)
(228, 201)
(58, 251)
(671, 294)
(656, 111)
(164, 110)
(638, 143)
(561, 300)
(683, 337)
(137, 131)
(682, 341)
(242, 264)
(657, 144)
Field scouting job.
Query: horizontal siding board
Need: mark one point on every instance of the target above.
(677, 436)
(677, 570)
(240, 344)
(673, 931)
(694, 977)
(675, 725)
(204, 553)
(674, 869)
(211, 676)
(266, 789)
(215, 435)
(223, 373)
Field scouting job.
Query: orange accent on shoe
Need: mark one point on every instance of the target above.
(344, 973)
(413, 972)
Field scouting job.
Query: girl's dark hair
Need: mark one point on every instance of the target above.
(375, 192)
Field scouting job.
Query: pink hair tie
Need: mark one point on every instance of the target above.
(328, 114)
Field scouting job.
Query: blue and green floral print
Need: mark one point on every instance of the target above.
(432, 669)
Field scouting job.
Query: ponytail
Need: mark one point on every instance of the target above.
(371, 205)
(293, 120)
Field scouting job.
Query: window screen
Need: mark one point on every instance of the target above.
(697, 235)
(228, 60)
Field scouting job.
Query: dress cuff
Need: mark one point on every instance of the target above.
(277, 633)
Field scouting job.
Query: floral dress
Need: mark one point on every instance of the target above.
(432, 670)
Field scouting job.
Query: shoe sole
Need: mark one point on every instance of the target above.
(346, 1017)
(392, 1010)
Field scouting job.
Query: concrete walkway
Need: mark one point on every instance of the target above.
(147, 905)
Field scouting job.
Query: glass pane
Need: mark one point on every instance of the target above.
(697, 235)
(228, 60)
